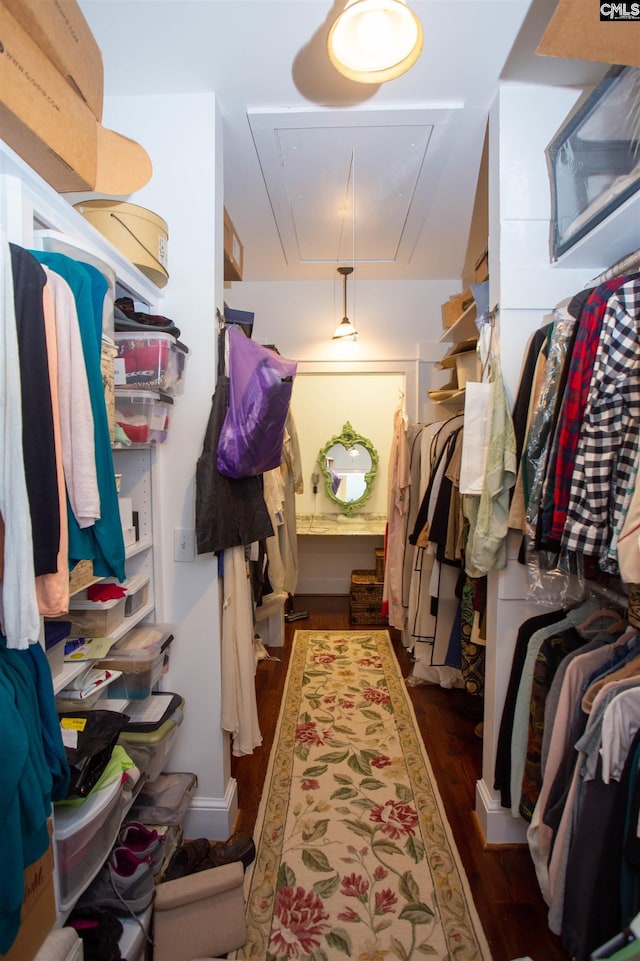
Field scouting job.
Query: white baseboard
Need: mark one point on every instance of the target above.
(213, 818)
(497, 824)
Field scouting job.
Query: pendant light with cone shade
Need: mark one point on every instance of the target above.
(345, 328)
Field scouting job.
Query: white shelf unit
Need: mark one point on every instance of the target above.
(462, 332)
(30, 212)
(609, 241)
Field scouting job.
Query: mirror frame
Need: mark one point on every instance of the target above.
(348, 438)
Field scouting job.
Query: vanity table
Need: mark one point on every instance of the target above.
(341, 525)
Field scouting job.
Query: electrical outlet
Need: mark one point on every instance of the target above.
(184, 545)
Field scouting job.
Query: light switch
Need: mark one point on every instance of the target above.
(184, 545)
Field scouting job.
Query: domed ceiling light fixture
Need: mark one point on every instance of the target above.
(375, 40)
(345, 328)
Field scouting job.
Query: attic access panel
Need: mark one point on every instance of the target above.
(311, 161)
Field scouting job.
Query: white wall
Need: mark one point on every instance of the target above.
(322, 403)
(395, 320)
(183, 138)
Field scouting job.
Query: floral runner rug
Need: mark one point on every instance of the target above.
(355, 858)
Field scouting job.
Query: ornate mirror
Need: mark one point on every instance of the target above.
(349, 463)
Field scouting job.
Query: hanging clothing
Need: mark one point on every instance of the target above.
(229, 512)
(20, 616)
(418, 564)
(25, 788)
(103, 541)
(566, 729)
(239, 711)
(38, 442)
(274, 495)
(529, 392)
(575, 397)
(502, 778)
(473, 634)
(282, 547)
(74, 402)
(399, 480)
(628, 542)
(53, 589)
(414, 435)
(553, 651)
(610, 429)
(593, 910)
(535, 457)
(562, 632)
(486, 548)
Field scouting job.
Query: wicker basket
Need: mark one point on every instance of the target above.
(365, 589)
(380, 563)
(365, 598)
(367, 616)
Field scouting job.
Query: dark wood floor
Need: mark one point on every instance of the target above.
(502, 879)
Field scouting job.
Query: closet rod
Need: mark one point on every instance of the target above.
(626, 265)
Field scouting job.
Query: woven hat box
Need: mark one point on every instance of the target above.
(138, 233)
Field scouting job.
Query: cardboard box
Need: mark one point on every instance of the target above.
(38, 909)
(575, 30)
(53, 130)
(59, 28)
(455, 307)
(468, 368)
(481, 268)
(233, 251)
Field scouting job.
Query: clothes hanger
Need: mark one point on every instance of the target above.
(597, 615)
(628, 635)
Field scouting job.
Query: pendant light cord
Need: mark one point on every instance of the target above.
(353, 230)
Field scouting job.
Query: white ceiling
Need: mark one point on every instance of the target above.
(319, 170)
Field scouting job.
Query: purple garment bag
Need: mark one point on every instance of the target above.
(260, 385)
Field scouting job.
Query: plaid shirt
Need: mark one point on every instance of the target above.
(609, 431)
(575, 399)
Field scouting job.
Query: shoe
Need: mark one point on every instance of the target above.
(142, 843)
(191, 857)
(202, 854)
(100, 932)
(225, 852)
(125, 884)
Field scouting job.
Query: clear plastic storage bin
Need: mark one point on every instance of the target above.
(83, 836)
(150, 361)
(141, 666)
(103, 618)
(151, 750)
(143, 415)
(165, 800)
(593, 161)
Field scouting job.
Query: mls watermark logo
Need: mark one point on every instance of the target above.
(620, 11)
